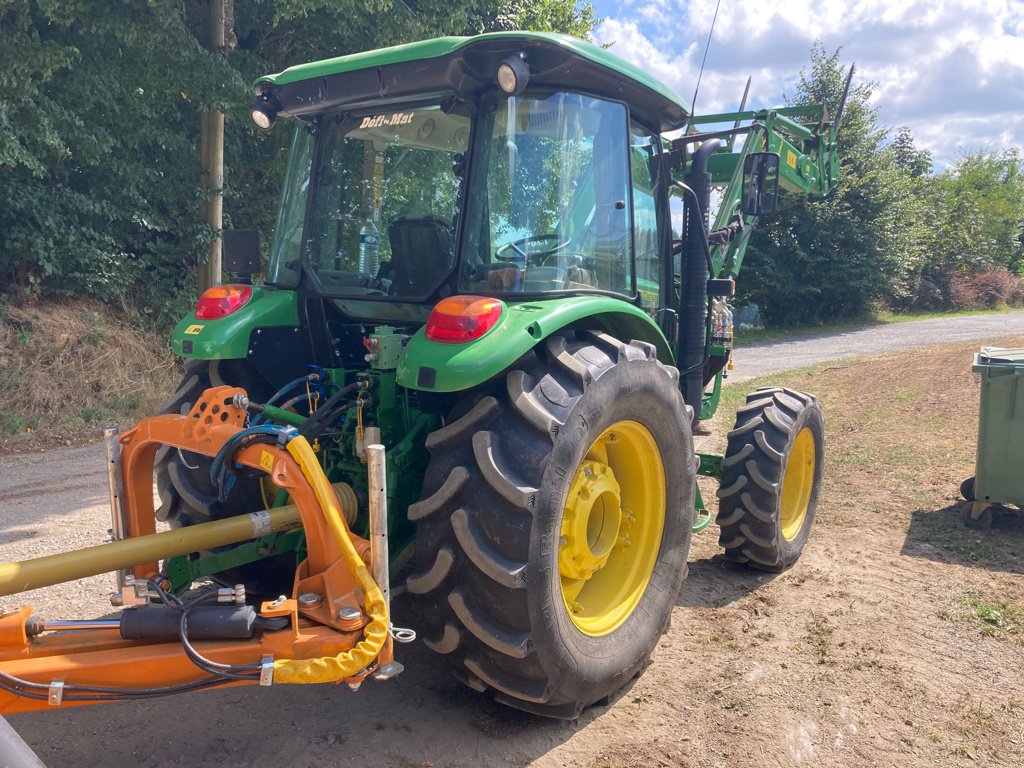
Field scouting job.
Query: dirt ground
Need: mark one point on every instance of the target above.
(896, 640)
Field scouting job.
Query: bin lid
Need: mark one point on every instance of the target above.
(1001, 356)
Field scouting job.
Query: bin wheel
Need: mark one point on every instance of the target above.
(967, 488)
(976, 515)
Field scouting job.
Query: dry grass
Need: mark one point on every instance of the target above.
(69, 366)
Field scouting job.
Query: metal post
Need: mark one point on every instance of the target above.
(378, 520)
(111, 437)
(14, 752)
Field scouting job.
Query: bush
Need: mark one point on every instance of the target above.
(67, 366)
(993, 287)
(987, 289)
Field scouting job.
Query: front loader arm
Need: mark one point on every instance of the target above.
(805, 140)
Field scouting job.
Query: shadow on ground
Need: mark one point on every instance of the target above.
(714, 582)
(939, 535)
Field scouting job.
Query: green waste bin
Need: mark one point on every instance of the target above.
(999, 470)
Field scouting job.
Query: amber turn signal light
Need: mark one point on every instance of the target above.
(459, 319)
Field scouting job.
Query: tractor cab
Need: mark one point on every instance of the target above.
(490, 176)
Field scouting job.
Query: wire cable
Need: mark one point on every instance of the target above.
(707, 47)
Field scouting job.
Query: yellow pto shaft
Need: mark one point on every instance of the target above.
(104, 558)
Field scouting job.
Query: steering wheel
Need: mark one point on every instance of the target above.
(524, 254)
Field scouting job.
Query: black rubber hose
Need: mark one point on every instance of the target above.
(327, 412)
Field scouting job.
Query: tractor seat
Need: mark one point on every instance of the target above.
(421, 253)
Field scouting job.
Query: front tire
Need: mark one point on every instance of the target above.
(555, 524)
(771, 475)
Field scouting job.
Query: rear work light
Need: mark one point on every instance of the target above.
(458, 319)
(221, 300)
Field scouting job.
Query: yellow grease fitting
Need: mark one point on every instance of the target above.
(331, 669)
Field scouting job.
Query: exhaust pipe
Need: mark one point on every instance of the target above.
(695, 296)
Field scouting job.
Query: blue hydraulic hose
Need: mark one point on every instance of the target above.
(218, 472)
(307, 379)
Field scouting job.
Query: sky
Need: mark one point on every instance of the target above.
(953, 72)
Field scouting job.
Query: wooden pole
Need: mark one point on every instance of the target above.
(211, 156)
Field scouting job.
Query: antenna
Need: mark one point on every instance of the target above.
(693, 106)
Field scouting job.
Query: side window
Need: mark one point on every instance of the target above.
(644, 164)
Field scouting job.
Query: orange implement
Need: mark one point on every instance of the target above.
(55, 663)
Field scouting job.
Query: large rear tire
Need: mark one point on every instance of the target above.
(555, 523)
(187, 494)
(771, 475)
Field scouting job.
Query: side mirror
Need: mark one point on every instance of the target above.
(760, 183)
(240, 253)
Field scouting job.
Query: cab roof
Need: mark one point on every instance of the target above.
(465, 66)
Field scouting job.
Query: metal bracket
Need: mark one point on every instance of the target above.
(118, 526)
(56, 695)
(388, 671)
(267, 671)
(132, 593)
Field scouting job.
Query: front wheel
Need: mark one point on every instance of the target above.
(771, 474)
(555, 524)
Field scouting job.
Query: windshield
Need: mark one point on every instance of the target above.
(549, 207)
(383, 209)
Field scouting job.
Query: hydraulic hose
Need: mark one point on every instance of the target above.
(329, 411)
(307, 379)
(330, 669)
(290, 386)
(222, 467)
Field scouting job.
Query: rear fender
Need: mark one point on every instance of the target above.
(433, 366)
(228, 337)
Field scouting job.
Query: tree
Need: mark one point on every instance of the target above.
(907, 157)
(823, 260)
(99, 125)
(97, 183)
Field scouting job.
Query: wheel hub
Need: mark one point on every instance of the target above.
(591, 521)
(611, 528)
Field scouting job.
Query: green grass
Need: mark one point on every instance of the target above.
(747, 335)
(14, 424)
(993, 619)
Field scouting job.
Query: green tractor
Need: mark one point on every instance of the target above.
(475, 266)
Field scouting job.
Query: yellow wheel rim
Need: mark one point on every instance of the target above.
(797, 484)
(611, 528)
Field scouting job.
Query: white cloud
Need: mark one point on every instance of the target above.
(953, 72)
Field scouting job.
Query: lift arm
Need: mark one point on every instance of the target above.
(804, 138)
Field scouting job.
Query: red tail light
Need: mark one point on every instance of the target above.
(221, 300)
(458, 319)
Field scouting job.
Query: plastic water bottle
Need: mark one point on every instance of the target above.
(369, 242)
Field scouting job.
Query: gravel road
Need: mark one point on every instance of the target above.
(798, 352)
(57, 501)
